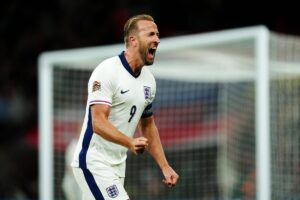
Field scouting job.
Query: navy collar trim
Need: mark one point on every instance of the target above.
(126, 65)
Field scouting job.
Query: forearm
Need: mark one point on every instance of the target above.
(155, 147)
(106, 130)
(157, 152)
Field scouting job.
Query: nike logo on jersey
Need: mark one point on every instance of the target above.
(123, 92)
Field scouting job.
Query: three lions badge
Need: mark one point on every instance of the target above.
(147, 92)
(112, 191)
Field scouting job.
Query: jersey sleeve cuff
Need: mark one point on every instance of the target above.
(145, 115)
(92, 102)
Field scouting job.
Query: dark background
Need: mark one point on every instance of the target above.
(30, 27)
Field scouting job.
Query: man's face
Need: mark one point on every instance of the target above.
(148, 39)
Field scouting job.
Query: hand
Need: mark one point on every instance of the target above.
(138, 145)
(171, 177)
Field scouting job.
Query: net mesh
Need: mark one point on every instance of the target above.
(205, 112)
(285, 99)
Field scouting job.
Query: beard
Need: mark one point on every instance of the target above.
(149, 62)
(144, 53)
(144, 56)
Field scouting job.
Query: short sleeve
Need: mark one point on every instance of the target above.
(150, 96)
(100, 86)
(148, 111)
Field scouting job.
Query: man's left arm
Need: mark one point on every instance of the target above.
(150, 131)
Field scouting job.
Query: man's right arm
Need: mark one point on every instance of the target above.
(105, 129)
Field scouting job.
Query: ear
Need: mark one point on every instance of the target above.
(133, 40)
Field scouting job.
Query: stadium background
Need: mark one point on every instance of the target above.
(28, 28)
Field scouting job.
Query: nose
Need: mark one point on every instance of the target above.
(157, 40)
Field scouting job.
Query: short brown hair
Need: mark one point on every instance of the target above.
(130, 25)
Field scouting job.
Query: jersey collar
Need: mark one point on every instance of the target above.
(126, 64)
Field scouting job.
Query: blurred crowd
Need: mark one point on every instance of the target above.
(28, 28)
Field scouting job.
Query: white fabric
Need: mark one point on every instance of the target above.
(104, 183)
(112, 84)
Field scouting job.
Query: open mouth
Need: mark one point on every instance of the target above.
(152, 51)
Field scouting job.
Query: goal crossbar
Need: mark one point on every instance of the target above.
(259, 34)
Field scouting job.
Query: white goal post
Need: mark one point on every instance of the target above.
(173, 65)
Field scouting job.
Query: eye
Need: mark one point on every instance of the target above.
(154, 33)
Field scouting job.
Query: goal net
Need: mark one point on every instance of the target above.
(227, 108)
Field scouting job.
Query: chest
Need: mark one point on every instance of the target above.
(132, 91)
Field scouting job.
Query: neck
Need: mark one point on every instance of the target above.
(133, 61)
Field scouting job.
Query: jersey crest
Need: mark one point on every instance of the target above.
(147, 92)
(112, 191)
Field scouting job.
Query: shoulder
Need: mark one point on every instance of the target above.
(147, 74)
(146, 71)
(109, 63)
(107, 66)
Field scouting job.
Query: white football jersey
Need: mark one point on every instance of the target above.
(130, 97)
